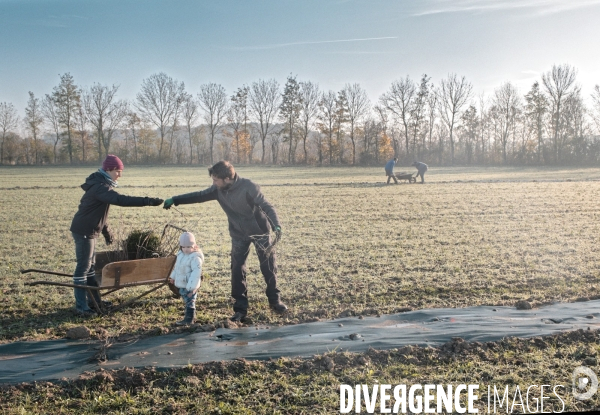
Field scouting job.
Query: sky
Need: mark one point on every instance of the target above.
(329, 42)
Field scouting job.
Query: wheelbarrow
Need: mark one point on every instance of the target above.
(116, 275)
(406, 176)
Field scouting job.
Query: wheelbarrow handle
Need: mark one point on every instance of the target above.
(25, 271)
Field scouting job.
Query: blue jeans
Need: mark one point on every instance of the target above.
(85, 274)
(190, 302)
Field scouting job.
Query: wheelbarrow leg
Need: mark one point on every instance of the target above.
(137, 298)
(97, 307)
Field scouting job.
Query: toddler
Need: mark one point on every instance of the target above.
(187, 275)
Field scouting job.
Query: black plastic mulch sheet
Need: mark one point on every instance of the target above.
(55, 359)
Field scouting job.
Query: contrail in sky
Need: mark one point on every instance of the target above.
(540, 6)
(318, 42)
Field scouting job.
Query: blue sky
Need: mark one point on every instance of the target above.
(236, 42)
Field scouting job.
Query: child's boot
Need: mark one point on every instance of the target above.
(190, 316)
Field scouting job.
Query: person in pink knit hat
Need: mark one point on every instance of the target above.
(187, 275)
(91, 219)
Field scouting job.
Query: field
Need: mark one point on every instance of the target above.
(351, 245)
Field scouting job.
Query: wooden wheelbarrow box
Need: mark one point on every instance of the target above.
(114, 276)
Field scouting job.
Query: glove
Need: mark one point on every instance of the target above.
(278, 232)
(154, 201)
(109, 238)
(168, 203)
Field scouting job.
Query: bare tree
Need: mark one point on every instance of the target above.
(213, 101)
(559, 83)
(105, 113)
(358, 106)
(399, 100)
(133, 126)
(158, 103)
(8, 121)
(309, 97)
(574, 127)
(50, 111)
(327, 119)
(190, 116)
(34, 120)
(432, 109)
(275, 139)
(596, 106)
(238, 120)
(508, 102)
(264, 106)
(80, 123)
(67, 97)
(341, 117)
(483, 125)
(470, 129)
(536, 108)
(453, 95)
(289, 113)
(370, 130)
(384, 120)
(417, 112)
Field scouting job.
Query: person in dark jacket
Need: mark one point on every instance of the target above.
(251, 218)
(91, 220)
(421, 169)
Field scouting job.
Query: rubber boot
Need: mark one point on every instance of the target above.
(190, 316)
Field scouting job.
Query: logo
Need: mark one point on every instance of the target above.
(585, 383)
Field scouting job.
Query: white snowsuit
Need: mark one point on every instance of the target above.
(187, 272)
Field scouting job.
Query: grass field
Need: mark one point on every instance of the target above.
(351, 245)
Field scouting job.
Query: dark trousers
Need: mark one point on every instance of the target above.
(422, 174)
(239, 253)
(391, 175)
(85, 273)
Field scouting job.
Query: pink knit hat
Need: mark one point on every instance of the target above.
(187, 239)
(112, 162)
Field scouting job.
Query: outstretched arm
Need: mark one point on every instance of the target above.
(111, 197)
(195, 197)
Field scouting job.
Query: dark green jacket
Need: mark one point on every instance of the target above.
(248, 212)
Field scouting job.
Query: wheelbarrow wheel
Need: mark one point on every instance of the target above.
(413, 180)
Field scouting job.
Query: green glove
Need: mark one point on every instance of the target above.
(168, 203)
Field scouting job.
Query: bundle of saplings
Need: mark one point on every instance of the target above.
(142, 244)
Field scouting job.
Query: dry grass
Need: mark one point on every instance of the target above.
(311, 386)
(350, 242)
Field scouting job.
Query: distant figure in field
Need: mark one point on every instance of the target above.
(251, 218)
(389, 170)
(91, 220)
(421, 168)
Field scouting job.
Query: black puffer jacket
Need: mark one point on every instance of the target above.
(248, 212)
(91, 217)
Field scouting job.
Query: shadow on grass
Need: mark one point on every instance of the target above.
(28, 323)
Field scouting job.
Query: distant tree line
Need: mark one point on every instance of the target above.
(297, 123)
